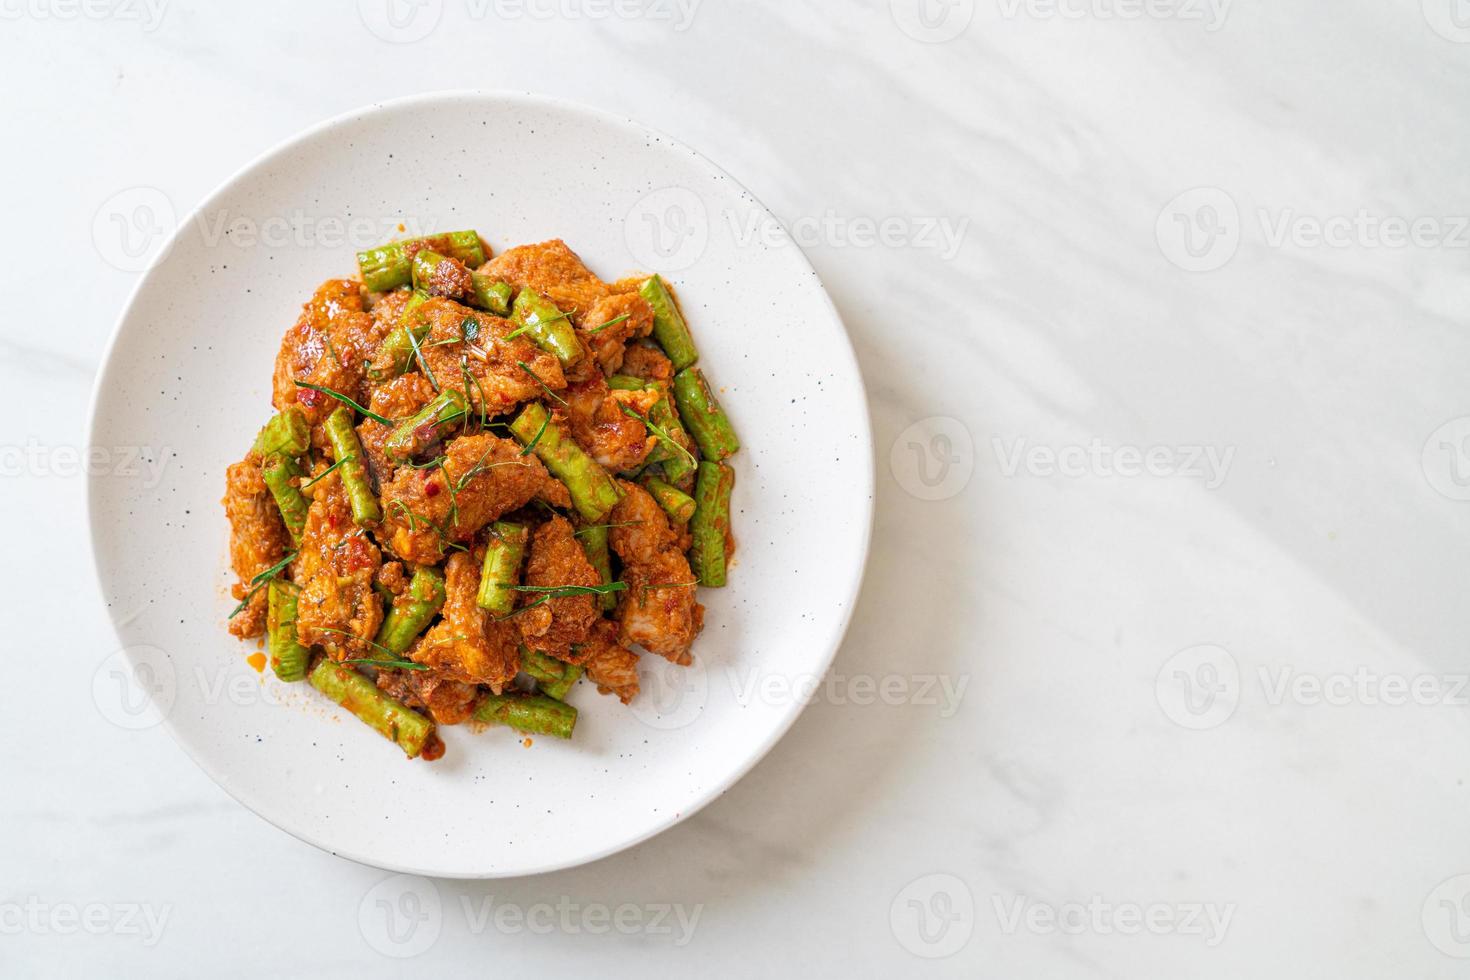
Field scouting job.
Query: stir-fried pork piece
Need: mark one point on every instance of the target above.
(468, 644)
(336, 608)
(258, 539)
(658, 611)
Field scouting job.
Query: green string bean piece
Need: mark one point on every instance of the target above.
(278, 471)
(396, 354)
(703, 417)
(711, 523)
(504, 549)
(347, 450)
(287, 433)
(593, 491)
(390, 266)
(547, 326)
(594, 545)
(675, 502)
(491, 295)
(395, 722)
(433, 422)
(534, 714)
(553, 677)
(669, 328)
(287, 656)
(408, 615)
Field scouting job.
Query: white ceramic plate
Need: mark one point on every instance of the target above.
(187, 380)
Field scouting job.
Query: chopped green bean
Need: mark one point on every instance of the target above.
(394, 721)
(669, 328)
(533, 714)
(711, 524)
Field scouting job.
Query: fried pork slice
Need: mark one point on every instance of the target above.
(658, 610)
(609, 664)
(554, 271)
(554, 625)
(647, 362)
(388, 310)
(448, 701)
(482, 476)
(400, 398)
(391, 579)
(611, 323)
(450, 278)
(337, 608)
(328, 346)
(258, 539)
(468, 644)
(501, 373)
(617, 440)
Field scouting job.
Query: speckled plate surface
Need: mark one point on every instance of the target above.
(187, 380)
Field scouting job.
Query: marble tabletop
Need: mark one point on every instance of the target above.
(1160, 665)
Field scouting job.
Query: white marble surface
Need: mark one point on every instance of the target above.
(1317, 540)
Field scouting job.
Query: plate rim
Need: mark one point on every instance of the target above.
(104, 379)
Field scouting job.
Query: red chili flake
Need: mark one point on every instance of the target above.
(359, 556)
(431, 489)
(309, 397)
